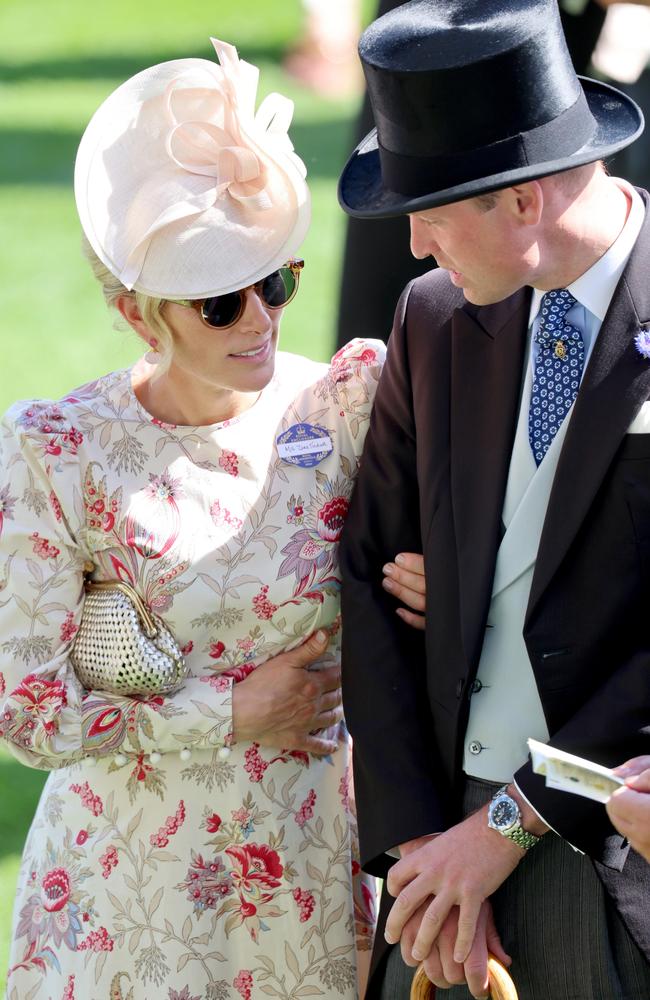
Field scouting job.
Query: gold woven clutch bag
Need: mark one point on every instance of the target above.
(122, 647)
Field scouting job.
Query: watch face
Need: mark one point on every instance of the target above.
(504, 812)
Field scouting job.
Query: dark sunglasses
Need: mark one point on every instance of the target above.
(275, 291)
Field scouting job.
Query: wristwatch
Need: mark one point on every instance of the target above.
(504, 816)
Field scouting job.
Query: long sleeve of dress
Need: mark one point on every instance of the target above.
(47, 719)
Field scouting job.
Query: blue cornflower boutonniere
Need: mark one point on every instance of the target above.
(642, 343)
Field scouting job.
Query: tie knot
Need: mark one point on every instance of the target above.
(552, 312)
(555, 305)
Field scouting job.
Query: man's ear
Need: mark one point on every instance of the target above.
(527, 202)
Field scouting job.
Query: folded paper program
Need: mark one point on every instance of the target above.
(568, 773)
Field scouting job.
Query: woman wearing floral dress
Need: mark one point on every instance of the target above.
(199, 845)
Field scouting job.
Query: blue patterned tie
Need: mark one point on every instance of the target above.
(558, 370)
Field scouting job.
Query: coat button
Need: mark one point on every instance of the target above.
(475, 747)
(185, 754)
(223, 753)
(476, 686)
(155, 757)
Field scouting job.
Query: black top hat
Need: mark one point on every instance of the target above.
(470, 96)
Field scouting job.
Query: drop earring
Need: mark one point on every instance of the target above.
(152, 356)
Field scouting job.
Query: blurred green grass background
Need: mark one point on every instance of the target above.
(58, 62)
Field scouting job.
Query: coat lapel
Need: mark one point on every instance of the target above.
(487, 359)
(616, 383)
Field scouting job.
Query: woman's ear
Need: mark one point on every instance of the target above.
(128, 308)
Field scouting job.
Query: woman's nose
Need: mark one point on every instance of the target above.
(256, 315)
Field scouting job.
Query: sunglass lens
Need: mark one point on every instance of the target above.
(221, 310)
(277, 288)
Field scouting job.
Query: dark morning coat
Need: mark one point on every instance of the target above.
(433, 479)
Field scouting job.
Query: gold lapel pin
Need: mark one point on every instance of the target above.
(560, 349)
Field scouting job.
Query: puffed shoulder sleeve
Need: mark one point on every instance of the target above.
(47, 719)
(354, 375)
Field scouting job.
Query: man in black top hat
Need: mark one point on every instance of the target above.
(510, 442)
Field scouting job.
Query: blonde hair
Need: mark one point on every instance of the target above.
(151, 308)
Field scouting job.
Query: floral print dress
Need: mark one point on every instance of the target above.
(166, 860)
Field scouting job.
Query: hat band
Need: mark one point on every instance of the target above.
(418, 176)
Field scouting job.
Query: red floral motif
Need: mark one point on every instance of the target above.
(187, 648)
(43, 548)
(213, 823)
(263, 608)
(68, 628)
(254, 765)
(169, 828)
(102, 511)
(108, 861)
(306, 810)
(239, 673)
(39, 701)
(216, 650)
(243, 983)
(223, 518)
(97, 941)
(306, 903)
(6, 506)
(3, 685)
(229, 462)
(68, 993)
(88, 798)
(331, 518)
(256, 866)
(81, 838)
(55, 890)
(55, 505)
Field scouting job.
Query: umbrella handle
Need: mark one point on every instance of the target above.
(501, 984)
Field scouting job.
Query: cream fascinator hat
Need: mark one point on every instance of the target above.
(183, 190)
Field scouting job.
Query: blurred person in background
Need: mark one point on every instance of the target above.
(201, 843)
(325, 57)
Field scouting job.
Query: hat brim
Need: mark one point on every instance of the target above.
(362, 192)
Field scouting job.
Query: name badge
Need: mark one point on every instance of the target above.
(304, 444)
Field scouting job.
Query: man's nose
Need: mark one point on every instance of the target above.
(422, 245)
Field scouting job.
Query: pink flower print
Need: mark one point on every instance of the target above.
(108, 861)
(306, 810)
(68, 993)
(218, 682)
(239, 673)
(263, 608)
(169, 828)
(216, 650)
(306, 903)
(68, 628)
(81, 838)
(246, 645)
(97, 941)
(6, 506)
(296, 509)
(205, 883)
(43, 548)
(229, 462)
(187, 648)
(55, 890)
(243, 983)
(223, 517)
(256, 867)
(254, 764)
(153, 521)
(88, 799)
(3, 685)
(331, 518)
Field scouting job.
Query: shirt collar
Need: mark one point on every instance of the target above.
(594, 289)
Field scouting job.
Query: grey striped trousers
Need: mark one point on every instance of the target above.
(566, 940)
